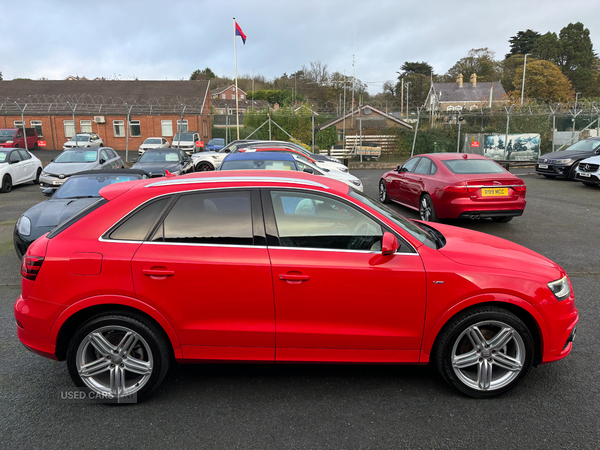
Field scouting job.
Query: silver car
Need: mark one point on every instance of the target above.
(84, 140)
(77, 160)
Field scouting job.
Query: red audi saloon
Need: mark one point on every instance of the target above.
(454, 185)
(282, 267)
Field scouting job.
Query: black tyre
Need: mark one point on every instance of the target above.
(35, 146)
(383, 195)
(426, 209)
(118, 355)
(6, 184)
(502, 219)
(573, 172)
(550, 176)
(204, 167)
(484, 352)
(37, 176)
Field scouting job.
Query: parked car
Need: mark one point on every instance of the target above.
(319, 158)
(157, 162)
(304, 155)
(153, 142)
(215, 144)
(259, 161)
(562, 164)
(588, 171)
(454, 185)
(76, 160)
(211, 160)
(13, 138)
(272, 267)
(188, 141)
(84, 140)
(77, 193)
(18, 166)
(348, 178)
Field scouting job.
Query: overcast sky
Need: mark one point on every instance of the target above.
(157, 40)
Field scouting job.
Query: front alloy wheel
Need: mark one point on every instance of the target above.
(383, 195)
(116, 356)
(485, 352)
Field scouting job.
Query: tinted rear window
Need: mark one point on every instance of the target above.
(137, 226)
(473, 166)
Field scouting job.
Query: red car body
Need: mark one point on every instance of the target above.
(456, 187)
(265, 299)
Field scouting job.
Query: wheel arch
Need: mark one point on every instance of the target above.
(71, 319)
(523, 310)
(203, 161)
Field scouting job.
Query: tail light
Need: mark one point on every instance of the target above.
(30, 266)
(521, 188)
(462, 188)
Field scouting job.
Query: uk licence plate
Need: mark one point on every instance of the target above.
(583, 174)
(494, 192)
(543, 166)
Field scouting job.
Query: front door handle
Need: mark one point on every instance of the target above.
(158, 273)
(293, 277)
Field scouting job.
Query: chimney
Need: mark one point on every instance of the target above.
(460, 80)
(473, 80)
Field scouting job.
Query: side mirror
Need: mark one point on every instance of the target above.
(48, 192)
(397, 168)
(134, 160)
(309, 170)
(389, 244)
(597, 152)
(102, 161)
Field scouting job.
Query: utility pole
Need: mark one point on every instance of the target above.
(23, 123)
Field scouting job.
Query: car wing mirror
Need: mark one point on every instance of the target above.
(309, 170)
(48, 192)
(134, 160)
(389, 244)
(102, 160)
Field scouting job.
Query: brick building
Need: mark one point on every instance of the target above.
(156, 108)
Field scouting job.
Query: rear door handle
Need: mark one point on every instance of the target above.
(158, 272)
(293, 277)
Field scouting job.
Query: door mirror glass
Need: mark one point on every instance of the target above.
(389, 244)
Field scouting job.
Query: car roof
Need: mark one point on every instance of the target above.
(158, 150)
(227, 178)
(111, 171)
(450, 156)
(277, 156)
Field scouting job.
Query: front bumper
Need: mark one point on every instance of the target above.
(588, 177)
(555, 170)
(51, 182)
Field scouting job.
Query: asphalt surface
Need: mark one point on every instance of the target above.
(327, 406)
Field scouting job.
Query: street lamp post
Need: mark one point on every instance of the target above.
(523, 83)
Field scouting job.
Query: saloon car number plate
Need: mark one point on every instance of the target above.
(494, 192)
(583, 174)
(543, 166)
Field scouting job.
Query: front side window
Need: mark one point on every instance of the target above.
(135, 129)
(119, 128)
(219, 218)
(315, 221)
(410, 165)
(86, 126)
(166, 127)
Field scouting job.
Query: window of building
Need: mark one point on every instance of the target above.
(166, 127)
(223, 96)
(182, 125)
(119, 128)
(86, 126)
(69, 128)
(135, 129)
(18, 124)
(37, 124)
(242, 96)
(220, 218)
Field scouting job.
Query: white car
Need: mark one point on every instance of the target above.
(347, 178)
(588, 171)
(153, 142)
(84, 140)
(206, 161)
(324, 164)
(18, 166)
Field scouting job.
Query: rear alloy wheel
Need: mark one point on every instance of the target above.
(502, 219)
(383, 195)
(484, 352)
(426, 209)
(6, 184)
(37, 176)
(204, 167)
(117, 355)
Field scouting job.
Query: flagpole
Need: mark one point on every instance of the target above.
(237, 113)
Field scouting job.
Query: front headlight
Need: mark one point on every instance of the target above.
(335, 160)
(44, 174)
(176, 172)
(355, 182)
(563, 161)
(24, 226)
(560, 288)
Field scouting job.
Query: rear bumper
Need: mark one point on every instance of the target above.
(36, 344)
(487, 214)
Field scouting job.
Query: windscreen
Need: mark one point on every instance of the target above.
(257, 164)
(159, 157)
(585, 145)
(7, 133)
(90, 185)
(183, 137)
(77, 156)
(152, 141)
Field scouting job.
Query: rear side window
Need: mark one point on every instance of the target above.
(424, 167)
(137, 226)
(24, 155)
(220, 218)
